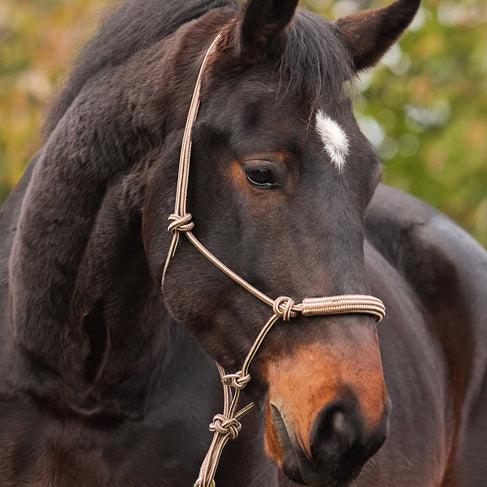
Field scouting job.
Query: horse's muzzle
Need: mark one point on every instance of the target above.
(328, 411)
(339, 446)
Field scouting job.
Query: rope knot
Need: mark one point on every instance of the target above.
(180, 223)
(283, 307)
(237, 381)
(224, 426)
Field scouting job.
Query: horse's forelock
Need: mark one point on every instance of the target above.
(314, 61)
(311, 61)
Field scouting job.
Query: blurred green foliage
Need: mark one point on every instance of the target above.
(424, 107)
(38, 39)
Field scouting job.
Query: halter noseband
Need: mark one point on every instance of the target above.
(227, 425)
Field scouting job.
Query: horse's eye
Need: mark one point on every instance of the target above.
(261, 175)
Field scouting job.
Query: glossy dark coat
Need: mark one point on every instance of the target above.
(106, 381)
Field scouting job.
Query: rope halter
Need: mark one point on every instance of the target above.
(227, 426)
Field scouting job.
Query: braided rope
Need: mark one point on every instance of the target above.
(227, 426)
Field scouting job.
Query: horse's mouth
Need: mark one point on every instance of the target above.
(302, 469)
(295, 463)
(290, 463)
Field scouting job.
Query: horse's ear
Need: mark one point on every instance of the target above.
(368, 35)
(261, 23)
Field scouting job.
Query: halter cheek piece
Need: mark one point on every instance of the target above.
(226, 426)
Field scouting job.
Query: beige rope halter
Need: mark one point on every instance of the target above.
(226, 426)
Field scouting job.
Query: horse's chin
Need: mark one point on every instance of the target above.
(304, 474)
(296, 476)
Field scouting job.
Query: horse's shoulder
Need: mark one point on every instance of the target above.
(397, 223)
(447, 271)
(444, 265)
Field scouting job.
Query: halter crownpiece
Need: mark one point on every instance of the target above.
(227, 425)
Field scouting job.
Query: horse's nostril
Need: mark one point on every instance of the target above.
(334, 433)
(344, 431)
(340, 441)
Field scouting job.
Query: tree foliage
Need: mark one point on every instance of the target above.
(424, 107)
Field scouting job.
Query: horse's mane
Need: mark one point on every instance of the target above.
(314, 59)
(134, 25)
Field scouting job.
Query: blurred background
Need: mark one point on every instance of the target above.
(424, 107)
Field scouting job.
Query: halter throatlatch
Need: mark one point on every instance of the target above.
(226, 426)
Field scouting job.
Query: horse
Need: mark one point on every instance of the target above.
(109, 378)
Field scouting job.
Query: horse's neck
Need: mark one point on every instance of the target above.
(9, 215)
(86, 319)
(125, 357)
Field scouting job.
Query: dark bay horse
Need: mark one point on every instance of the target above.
(108, 381)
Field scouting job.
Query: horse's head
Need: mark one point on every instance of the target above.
(280, 179)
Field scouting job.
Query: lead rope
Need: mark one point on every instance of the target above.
(227, 426)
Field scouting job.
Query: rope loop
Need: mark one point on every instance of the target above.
(180, 223)
(237, 381)
(283, 307)
(225, 426)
